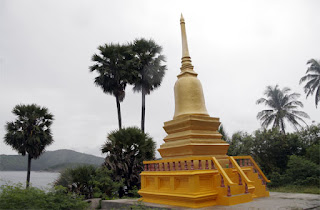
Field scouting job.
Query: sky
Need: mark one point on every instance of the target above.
(237, 48)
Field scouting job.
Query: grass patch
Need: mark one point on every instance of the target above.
(296, 189)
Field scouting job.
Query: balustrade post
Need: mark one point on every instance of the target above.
(212, 165)
(191, 165)
(200, 165)
(179, 165)
(246, 189)
(158, 167)
(207, 165)
(185, 165)
(222, 181)
(173, 166)
(229, 191)
(241, 162)
(246, 162)
(163, 167)
(230, 164)
(240, 179)
(168, 164)
(145, 167)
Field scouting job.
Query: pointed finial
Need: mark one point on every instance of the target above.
(181, 19)
(186, 60)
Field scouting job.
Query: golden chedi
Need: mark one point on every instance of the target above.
(194, 170)
(192, 131)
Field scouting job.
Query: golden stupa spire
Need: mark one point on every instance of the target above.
(188, 94)
(185, 60)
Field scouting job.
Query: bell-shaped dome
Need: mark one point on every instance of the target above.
(188, 92)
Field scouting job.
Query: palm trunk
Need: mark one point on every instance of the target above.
(28, 172)
(282, 127)
(143, 111)
(119, 112)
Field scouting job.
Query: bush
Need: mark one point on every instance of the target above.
(89, 181)
(303, 171)
(16, 197)
(313, 153)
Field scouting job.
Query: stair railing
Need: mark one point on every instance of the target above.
(224, 176)
(242, 175)
(255, 166)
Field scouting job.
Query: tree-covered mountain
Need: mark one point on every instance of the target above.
(50, 160)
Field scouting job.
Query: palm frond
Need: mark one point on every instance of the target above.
(282, 105)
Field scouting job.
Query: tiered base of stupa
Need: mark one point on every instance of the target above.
(195, 170)
(185, 182)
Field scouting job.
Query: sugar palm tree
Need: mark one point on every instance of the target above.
(112, 66)
(313, 78)
(30, 133)
(126, 150)
(282, 106)
(148, 63)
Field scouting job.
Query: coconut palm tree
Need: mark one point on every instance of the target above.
(113, 68)
(313, 78)
(282, 106)
(148, 62)
(126, 149)
(30, 133)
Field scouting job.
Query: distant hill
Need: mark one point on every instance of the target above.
(49, 161)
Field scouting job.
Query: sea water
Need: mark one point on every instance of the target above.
(42, 180)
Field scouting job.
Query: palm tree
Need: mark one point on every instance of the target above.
(282, 106)
(126, 149)
(313, 78)
(113, 66)
(147, 62)
(30, 133)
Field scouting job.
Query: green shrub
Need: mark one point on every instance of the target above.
(17, 197)
(303, 171)
(313, 153)
(89, 181)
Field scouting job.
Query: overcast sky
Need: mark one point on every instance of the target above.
(237, 48)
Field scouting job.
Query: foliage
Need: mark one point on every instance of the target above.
(310, 135)
(114, 72)
(285, 158)
(224, 134)
(288, 188)
(313, 153)
(282, 107)
(148, 64)
(104, 184)
(15, 197)
(303, 172)
(89, 181)
(271, 149)
(313, 80)
(126, 149)
(240, 144)
(30, 133)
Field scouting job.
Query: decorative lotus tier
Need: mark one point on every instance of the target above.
(195, 170)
